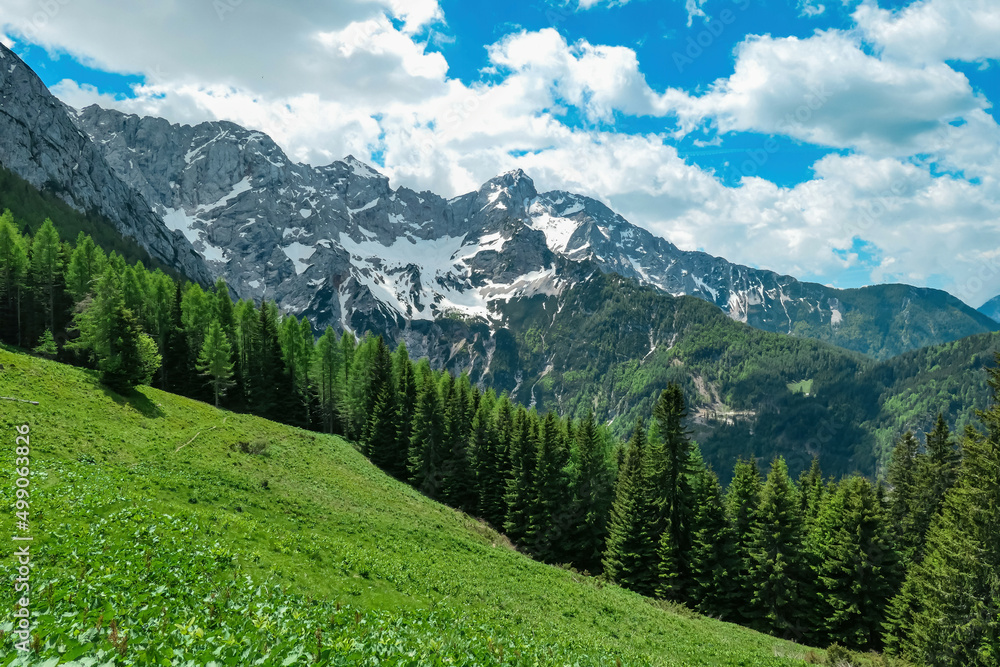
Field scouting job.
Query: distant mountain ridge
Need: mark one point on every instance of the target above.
(991, 309)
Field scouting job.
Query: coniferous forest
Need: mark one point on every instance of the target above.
(909, 564)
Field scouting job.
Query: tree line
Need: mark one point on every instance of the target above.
(908, 564)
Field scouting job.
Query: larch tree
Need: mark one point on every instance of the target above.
(215, 360)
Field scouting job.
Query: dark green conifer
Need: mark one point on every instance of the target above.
(779, 570)
(630, 558)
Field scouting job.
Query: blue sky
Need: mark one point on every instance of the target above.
(848, 142)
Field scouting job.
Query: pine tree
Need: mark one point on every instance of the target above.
(856, 567)
(947, 612)
(215, 360)
(779, 570)
(631, 552)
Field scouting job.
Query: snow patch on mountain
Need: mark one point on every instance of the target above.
(299, 254)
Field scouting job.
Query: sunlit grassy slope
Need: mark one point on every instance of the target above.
(166, 543)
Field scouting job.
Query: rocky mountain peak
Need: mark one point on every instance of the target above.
(512, 191)
(41, 142)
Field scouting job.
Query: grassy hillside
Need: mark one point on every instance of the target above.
(169, 531)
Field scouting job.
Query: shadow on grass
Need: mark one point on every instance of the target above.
(133, 399)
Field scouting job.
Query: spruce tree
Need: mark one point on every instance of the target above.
(631, 552)
(328, 360)
(13, 279)
(427, 441)
(46, 272)
(811, 492)
(178, 376)
(670, 468)
(939, 472)
(381, 432)
(379, 390)
(907, 496)
(779, 570)
(486, 464)
(46, 346)
(742, 501)
(523, 458)
(405, 382)
(714, 561)
(856, 567)
(271, 385)
(225, 313)
(247, 344)
(84, 267)
(593, 490)
(552, 516)
(132, 358)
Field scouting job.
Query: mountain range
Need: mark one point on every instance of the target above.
(338, 244)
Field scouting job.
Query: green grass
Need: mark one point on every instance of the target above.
(148, 512)
(801, 387)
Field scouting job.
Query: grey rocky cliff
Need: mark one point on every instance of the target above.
(40, 142)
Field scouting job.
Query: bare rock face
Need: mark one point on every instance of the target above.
(40, 142)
